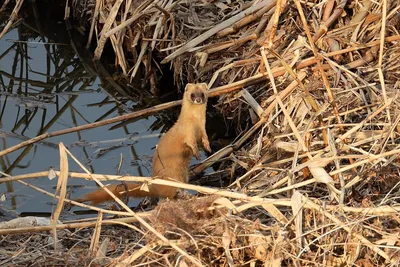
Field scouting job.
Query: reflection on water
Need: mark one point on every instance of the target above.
(44, 88)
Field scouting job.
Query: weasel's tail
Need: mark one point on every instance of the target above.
(119, 190)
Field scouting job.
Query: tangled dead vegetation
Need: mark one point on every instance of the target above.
(313, 89)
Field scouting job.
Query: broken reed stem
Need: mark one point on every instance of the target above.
(103, 38)
(94, 19)
(36, 229)
(246, 20)
(62, 189)
(96, 234)
(380, 62)
(335, 15)
(3, 7)
(275, 17)
(328, 10)
(13, 16)
(135, 16)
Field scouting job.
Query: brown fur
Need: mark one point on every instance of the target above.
(174, 151)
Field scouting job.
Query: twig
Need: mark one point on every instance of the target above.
(94, 19)
(380, 65)
(335, 15)
(13, 17)
(103, 38)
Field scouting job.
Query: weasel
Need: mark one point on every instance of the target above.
(174, 151)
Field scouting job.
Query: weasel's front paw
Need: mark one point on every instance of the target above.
(194, 149)
(206, 145)
(197, 155)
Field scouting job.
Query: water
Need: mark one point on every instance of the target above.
(47, 104)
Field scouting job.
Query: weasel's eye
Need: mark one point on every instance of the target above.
(192, 95)
(202, 95)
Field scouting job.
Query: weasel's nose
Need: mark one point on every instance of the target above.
(198, 100)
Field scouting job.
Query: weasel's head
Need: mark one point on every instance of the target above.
(196, 93)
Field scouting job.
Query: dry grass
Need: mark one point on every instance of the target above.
(314, 173)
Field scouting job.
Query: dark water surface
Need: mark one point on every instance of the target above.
(47, 104)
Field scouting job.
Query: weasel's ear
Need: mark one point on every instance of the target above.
(187, 86)
(204, 85)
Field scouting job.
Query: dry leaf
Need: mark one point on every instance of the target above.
(274, 212)
(52, 174)
(145, 187)
(261, 245)
(183, 263)
(223, 201)
(320, 175)
(287, 146)
(297, 207)
(226, 242)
